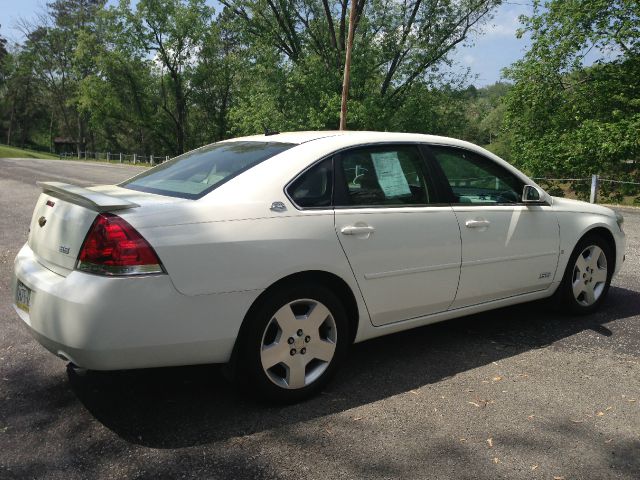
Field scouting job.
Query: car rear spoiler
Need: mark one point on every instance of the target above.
(97, 201)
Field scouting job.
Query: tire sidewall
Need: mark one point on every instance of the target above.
(566, 300)
(250, 373)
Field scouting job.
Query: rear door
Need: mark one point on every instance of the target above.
(403, 246)
(508, 248)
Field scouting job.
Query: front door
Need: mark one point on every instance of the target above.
(508, 248)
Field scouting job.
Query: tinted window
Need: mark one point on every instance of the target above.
(476, 179)
(391, 175)
(314, 187)
(198, 172)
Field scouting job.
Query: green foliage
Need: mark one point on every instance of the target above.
(296, 51)
(164, 76)
(567, 117)
(3, 53)
(22, 100)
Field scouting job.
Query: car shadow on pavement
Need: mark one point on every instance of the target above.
(187, 406)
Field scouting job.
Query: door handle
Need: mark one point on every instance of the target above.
(477, 223)
(357, 230)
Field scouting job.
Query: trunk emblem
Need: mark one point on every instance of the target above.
(42, 221)
(64, 249)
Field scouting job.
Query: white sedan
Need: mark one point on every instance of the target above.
(274, 253)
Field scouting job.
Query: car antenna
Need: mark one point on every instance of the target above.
(268, 132)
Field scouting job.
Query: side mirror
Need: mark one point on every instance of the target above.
(531, 194)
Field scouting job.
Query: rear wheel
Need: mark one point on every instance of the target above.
(293, 343)
(588, 275)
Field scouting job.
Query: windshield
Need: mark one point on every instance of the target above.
(196, 173)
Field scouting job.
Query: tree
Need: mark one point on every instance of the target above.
(397, 45)
(3, 48)
(215, 81)
(122, 100)
(24, 95)
(3, 60)
(575, 106)
(164, 76)
(53, 46)
(173, 33)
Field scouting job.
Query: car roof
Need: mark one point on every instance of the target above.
(356, 136)
(287, 137)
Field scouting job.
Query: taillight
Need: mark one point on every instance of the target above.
(113, 247)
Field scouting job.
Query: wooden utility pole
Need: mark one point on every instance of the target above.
(347, 66)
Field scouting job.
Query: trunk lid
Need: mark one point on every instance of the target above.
(64, 213)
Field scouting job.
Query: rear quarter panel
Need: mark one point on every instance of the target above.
(249, 254)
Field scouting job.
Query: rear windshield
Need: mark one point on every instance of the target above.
(198, 172)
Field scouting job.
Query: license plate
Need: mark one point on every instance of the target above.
(23, 296)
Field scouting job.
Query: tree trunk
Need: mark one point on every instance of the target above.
(181, 113)
(51, 132)
(11, 119)
(80, 139)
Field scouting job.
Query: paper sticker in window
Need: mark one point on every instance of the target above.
(390, 175)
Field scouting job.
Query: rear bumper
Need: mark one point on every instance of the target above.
(105, 323)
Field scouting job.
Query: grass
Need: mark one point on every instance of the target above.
(14, 152)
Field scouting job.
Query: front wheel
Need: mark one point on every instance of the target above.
(588, 275)
(293, 343)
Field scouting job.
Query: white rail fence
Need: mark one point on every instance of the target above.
(596, 182)
(132, 158)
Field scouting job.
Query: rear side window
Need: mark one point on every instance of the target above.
(198, 172)
(314, 188)
(388, 175)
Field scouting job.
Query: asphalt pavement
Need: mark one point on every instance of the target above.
(518, 393)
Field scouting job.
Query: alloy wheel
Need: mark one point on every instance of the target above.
(298, 343)
(589, 275)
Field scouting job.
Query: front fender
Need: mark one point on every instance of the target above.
(575, 225)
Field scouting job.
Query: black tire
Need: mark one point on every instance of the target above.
(565, 299)
(270, 384)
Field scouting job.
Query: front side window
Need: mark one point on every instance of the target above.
(476, 179)
(387, 175)
(198, 172)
